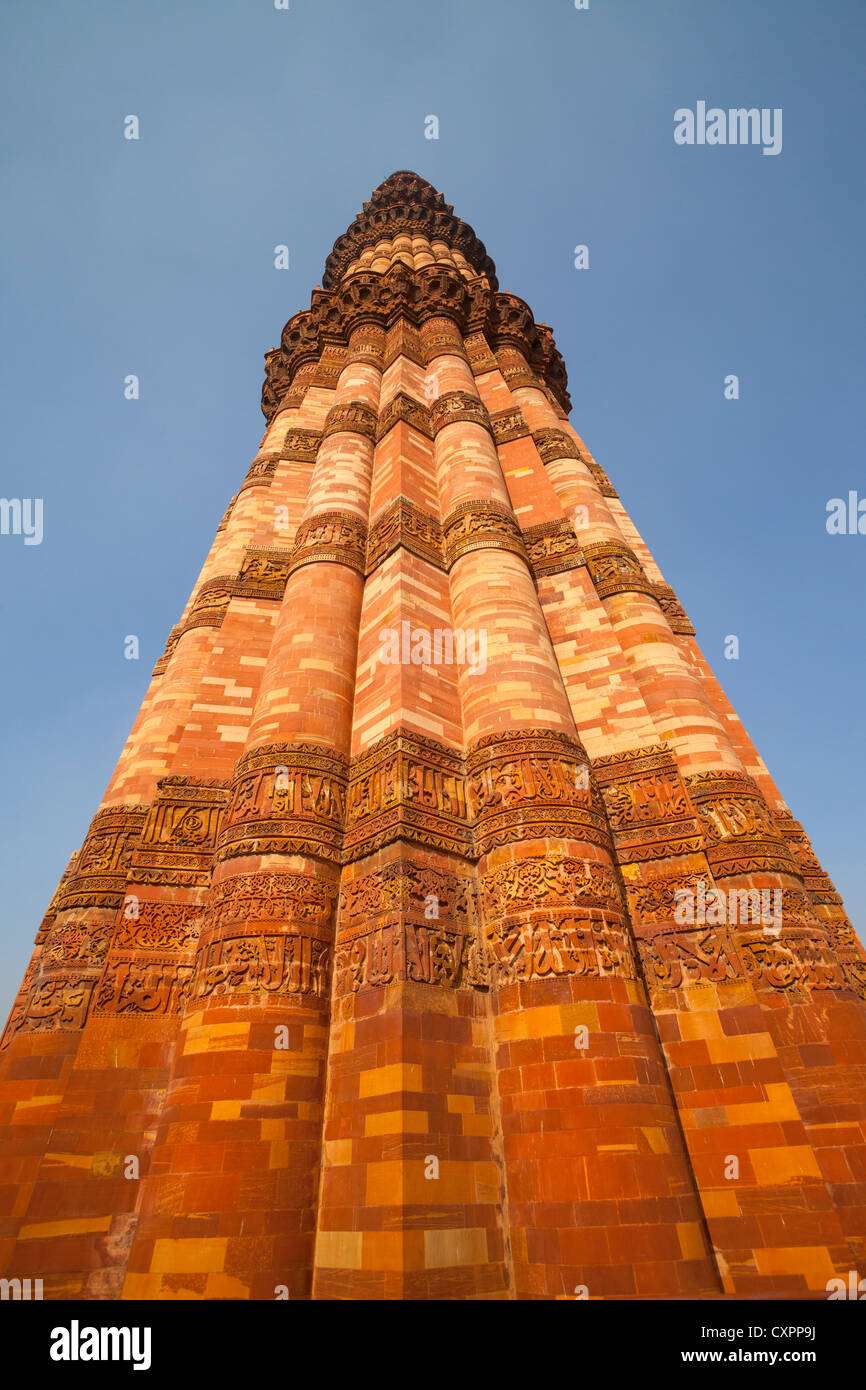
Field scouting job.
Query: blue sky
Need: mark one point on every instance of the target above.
(261, 127)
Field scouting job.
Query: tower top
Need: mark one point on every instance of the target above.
(407, 258)
(405, 203)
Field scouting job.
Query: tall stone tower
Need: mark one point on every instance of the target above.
(441, 933)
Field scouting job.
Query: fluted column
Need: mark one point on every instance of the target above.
(229, 1207)
(780, 1140)
(577, 1058)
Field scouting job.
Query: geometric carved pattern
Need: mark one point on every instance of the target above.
(404, 407)
(455, 406)
(351, 417)
(103, 863)
(508, 425)
(180, 834)
(264, 934)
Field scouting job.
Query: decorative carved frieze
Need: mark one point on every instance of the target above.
(57, 1004)
(269, 897)
(508, 425)
(446, 339)
(180, 833)
(105, 859)
(436, 295)
(404, 524)
(264, 934)
(170, 644)
(648, 809)
(557, 880)
(251, 966)
(158, 926)
(260, 472)
(514, 368)
(287, 798)
(739, 830)
(555, 444)
(367, 344)
(351, 417)
(79, 943)
(615, 569)
(210, 603)
(300, 445)
(411, 922)
(339, 537)
(404, 340)
(151, 986)
(226, 514)
(334, 357)
(404, 407)
(552, 548)
(818, 883)
(548, 946)
(407, 787)
(602, 481)
(478, 352)
(532, 784)
(481, 526)
(454, 406)
(794, 960)
(673, 610)
(263, 572)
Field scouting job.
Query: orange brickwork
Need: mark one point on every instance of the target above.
(374, 977)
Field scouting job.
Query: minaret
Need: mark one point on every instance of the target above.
(441, 933)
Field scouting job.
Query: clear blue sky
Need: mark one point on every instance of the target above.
(261, 127)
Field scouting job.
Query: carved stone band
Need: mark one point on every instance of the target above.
(740, 833)
(404, 524)
(386, 931)
(339, 537)
(353, 417)
(287, 798)
(647, 805)
(509, 425)
(454, 406)
(615, 569)
(555, 444)
(532, 784)
(673, 610)
(552, 548)
(411, 788)
(481, 526)
(100, 874)
(404, 407)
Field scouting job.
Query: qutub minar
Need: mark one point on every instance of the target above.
(369, 980)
